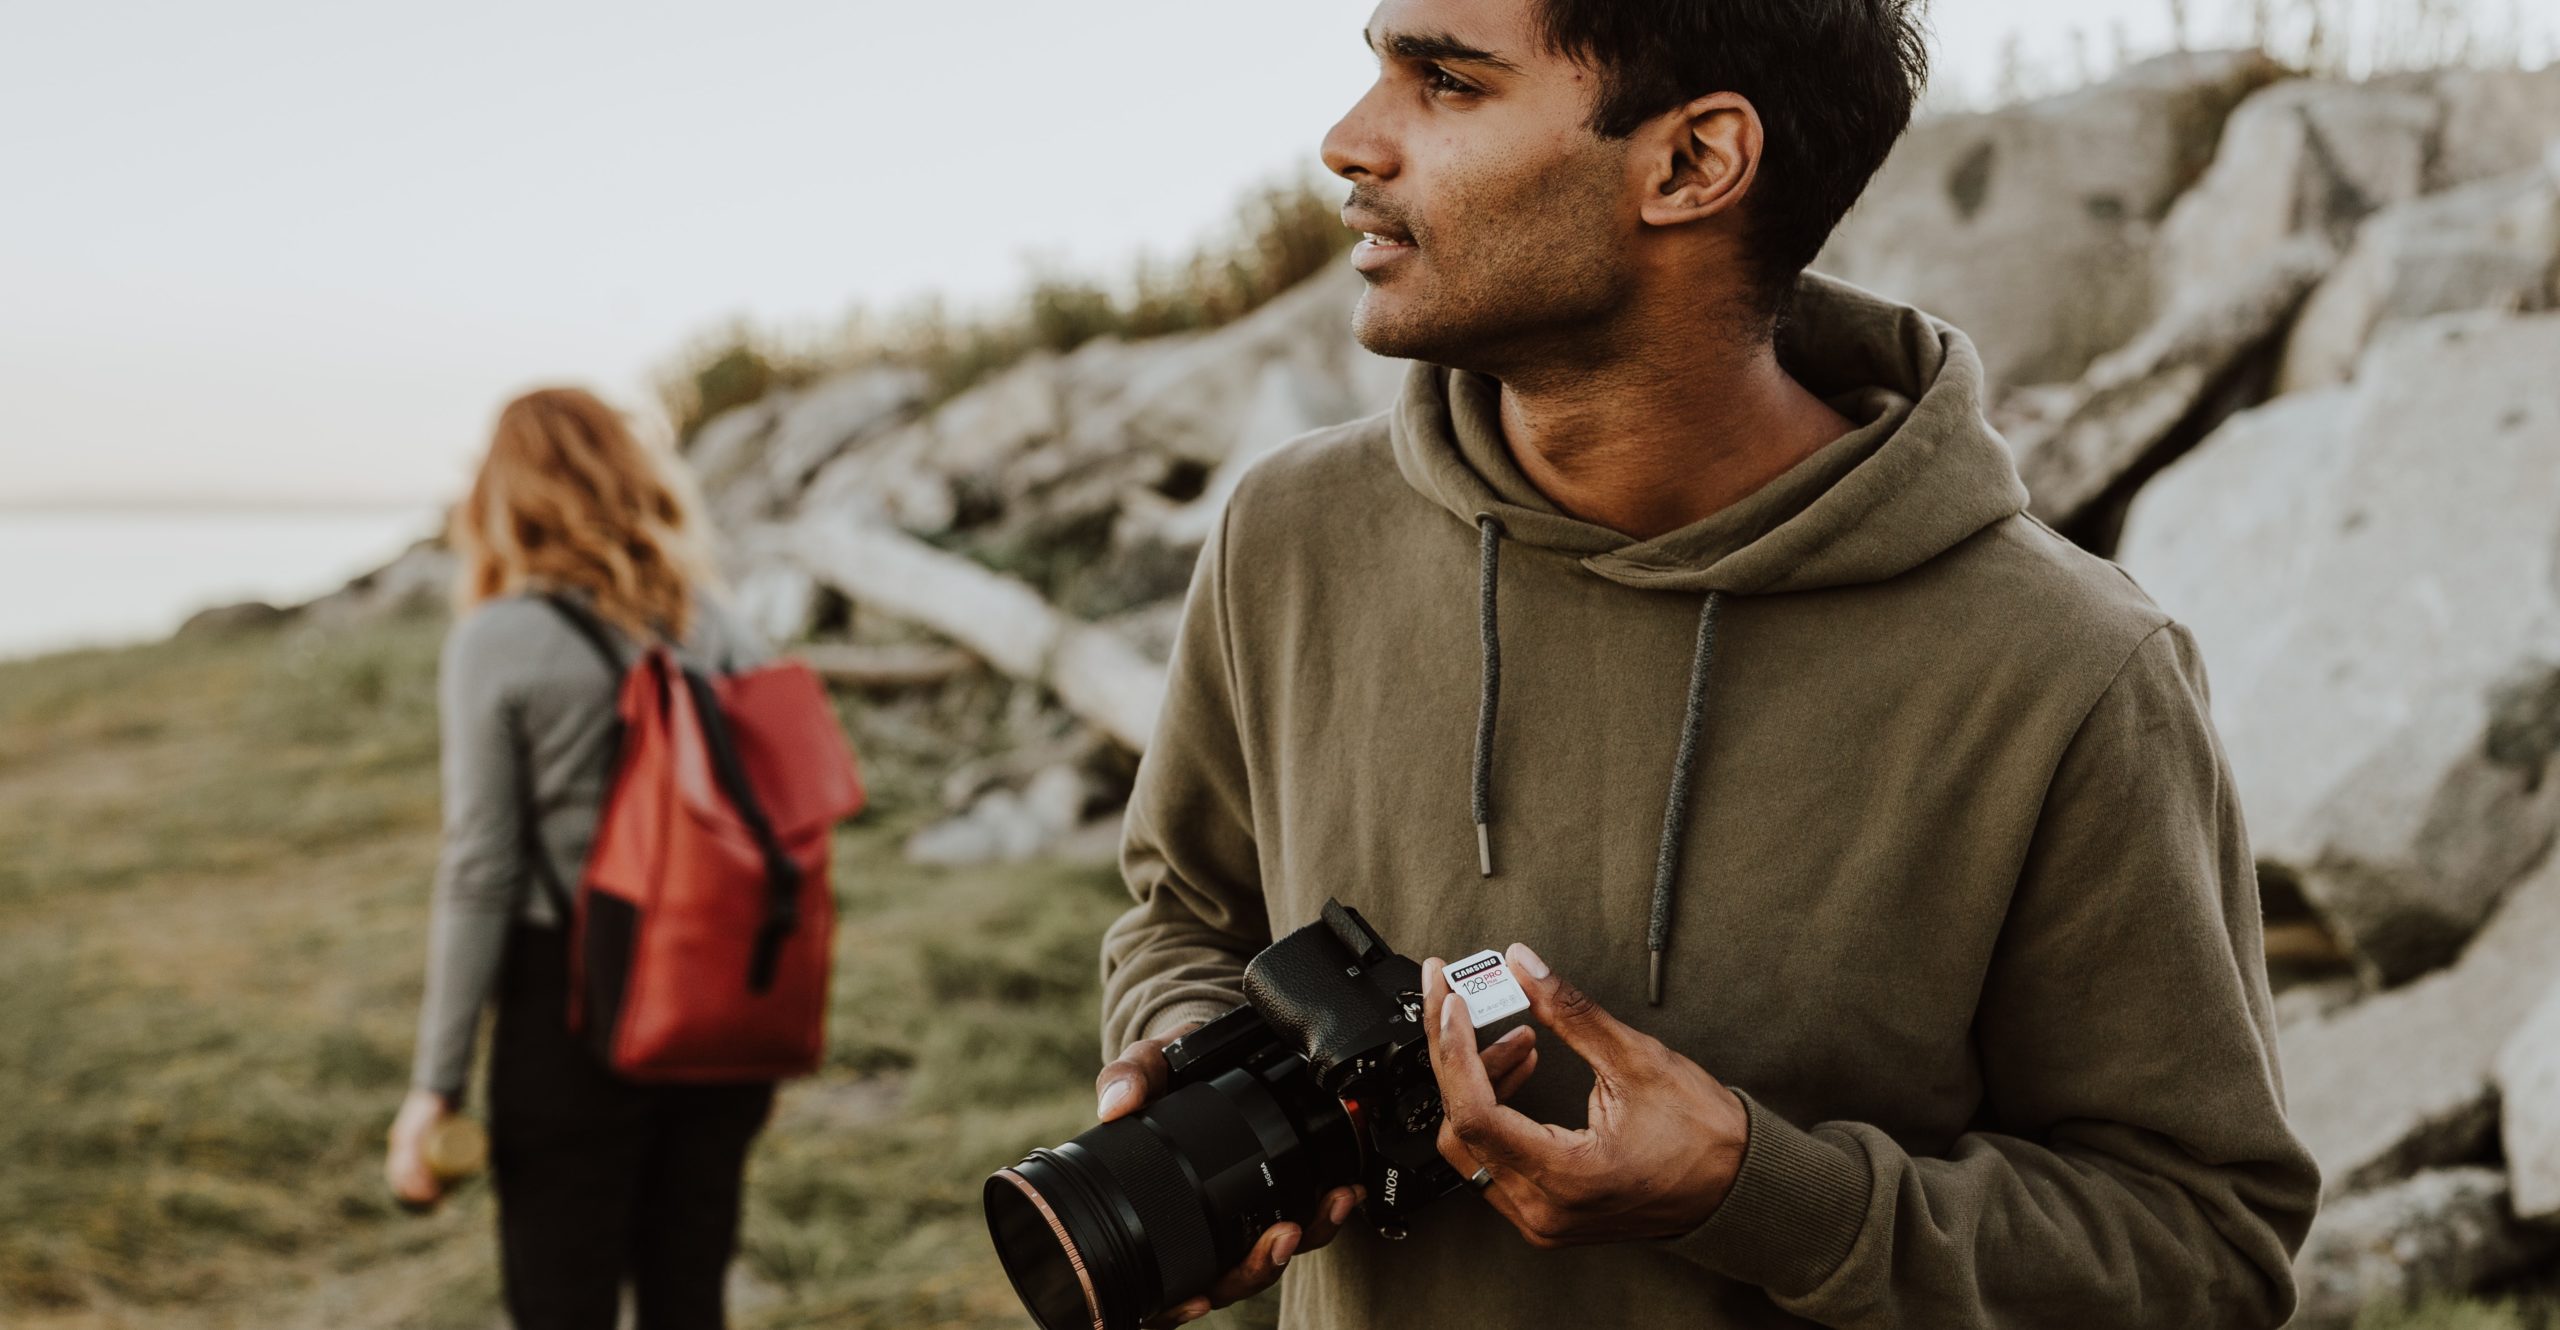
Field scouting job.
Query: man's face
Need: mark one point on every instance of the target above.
(1499, 223)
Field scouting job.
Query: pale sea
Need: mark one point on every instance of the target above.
(98, 578)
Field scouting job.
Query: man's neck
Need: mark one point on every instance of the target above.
(1647, 445)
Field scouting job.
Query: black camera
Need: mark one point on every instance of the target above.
(1322, 1079)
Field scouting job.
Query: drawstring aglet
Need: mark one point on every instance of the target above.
(1484, 848)
(1653, 984)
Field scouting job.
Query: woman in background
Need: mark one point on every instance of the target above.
(598, 1179)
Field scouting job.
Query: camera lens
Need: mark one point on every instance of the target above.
(1139, 1214)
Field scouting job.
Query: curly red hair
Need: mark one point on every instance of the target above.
(568, 497)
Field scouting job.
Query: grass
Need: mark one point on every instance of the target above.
(214, 863)
(2464, 1314)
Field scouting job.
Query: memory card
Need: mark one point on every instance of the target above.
(1484, 981)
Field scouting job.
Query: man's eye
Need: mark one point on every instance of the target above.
(1441, 80)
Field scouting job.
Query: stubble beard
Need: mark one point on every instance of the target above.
(1523, 274)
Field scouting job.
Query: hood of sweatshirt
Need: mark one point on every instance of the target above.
(1921, 470)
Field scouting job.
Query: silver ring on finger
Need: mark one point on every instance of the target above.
(1481, 1178)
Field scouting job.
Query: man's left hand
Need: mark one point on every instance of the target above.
(1663, 1144)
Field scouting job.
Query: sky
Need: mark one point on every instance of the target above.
(266, 251)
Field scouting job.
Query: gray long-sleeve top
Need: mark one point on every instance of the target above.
(526, 709)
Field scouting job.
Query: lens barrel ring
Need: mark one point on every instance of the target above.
(1159, 1186)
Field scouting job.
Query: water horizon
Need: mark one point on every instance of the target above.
(113, 573)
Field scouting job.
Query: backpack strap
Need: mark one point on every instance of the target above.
(600, 637)
(597, 633)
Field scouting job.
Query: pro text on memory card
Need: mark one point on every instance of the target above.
(1484, 982)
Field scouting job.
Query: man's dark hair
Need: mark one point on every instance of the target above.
(1835, 82)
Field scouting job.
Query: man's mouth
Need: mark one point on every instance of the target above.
(1381, 242)
(1376, 251)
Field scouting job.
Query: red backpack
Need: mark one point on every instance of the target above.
(703, 929)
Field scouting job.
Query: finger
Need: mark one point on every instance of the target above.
(404, 1167)
(1178, 1314)
(417, 1180)
(1126, 1085)
(1507, 1085)
(1260, 1268)
(1330, 1216)
(1504, 1055)
(1500, 1055)
(414, 1185)
(1603, 1040)
(1492, 1133)
(1505, 1192)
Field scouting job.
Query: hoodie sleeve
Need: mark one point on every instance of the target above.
(2133, 1166)
(1187, 850)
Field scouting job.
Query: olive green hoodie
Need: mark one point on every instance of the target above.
(1918, 805)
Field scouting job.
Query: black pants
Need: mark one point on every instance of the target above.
(599, 1179)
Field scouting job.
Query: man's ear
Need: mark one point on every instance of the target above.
(1699, 159)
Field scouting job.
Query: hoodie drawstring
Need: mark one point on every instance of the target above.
(1675, 811)
(1675, 807)
(1489, 691)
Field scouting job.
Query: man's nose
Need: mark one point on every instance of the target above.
(1355, 149)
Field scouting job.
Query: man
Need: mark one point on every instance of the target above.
(1872, 853)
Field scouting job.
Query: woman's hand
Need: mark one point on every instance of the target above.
(405, 1165)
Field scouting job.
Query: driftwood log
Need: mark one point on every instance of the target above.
(885, 666)
(1097, 675)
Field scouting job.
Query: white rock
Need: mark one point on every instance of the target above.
(914, 475)
(2370, 571)
(2317, 1000)
(1008, 826)
(777, 598)
(2403, 1079)
(1187, 404)
(2496, 121)
(1056, 797)
(820, 421)
(993, 830)
(1179, 405)
(1289, 402)
(901, 477)
(2447, 1231)
(1095, 673)
(982, 431)
(2030, 227)
(2529, 1107)
(729, 445)
(2303, 155)
(2492, 244)
(2130, 402)
(754, 462)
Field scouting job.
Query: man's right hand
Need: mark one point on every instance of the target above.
(1140, 1074)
